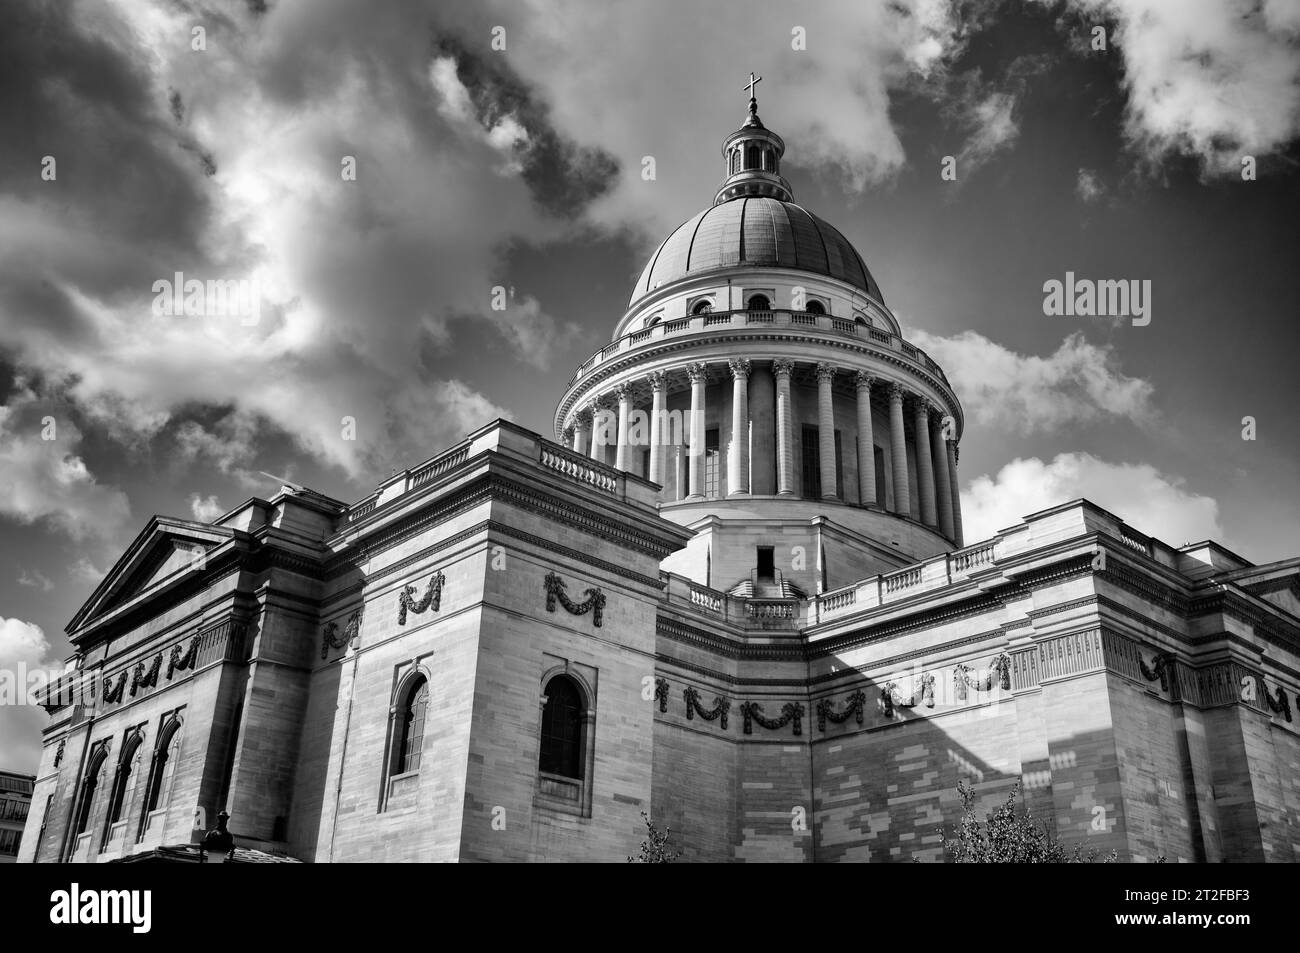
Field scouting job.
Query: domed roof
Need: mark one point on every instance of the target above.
(754, 230)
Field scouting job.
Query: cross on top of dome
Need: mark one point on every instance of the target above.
(753, 157)
(753, 119)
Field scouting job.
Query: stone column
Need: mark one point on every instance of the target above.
(784, 429)
(866, 442)
(826, 428)
(956, 493)
(582, 431)
(659, 403)
(762, 444)
(898, 451)
(924, 466)
(599, 424)
(942, 478)
(698, 381)
(738, 454)
(624, 392)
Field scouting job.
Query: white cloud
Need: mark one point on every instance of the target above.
(47, 481)
(1089, 187)
(23, 650)
(1078, 383)
(1212, 79)
(205, 510)
(994, 129)
(83, 570)
(1144, 498)
(35, 580)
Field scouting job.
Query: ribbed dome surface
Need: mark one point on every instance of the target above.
(754, 231)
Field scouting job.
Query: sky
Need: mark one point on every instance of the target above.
(373, 171)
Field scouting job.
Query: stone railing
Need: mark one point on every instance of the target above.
(579, 467)
(972, 558)
(813, 323)
(902, 579)
(358, 510)
(705, 598)
(439, 465)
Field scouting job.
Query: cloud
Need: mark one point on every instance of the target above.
(1205, 78)
(48, 481)
(83, 570)
(205, 510)
(35, 580)
(994, 129)
(534, 336)
(1089, 187)
(23, 650)
(1079, 383)
(1149, 501)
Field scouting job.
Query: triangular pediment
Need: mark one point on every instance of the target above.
(166, 551)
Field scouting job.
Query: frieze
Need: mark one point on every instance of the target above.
(790, 712)
(661, 693)
(430, 601)
(594, 603)
(330, 638)
(1001, 668)
(143, 678)
(854, 709)
(720, 709)
(924, 692)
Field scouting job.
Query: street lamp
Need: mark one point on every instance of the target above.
(218, 844)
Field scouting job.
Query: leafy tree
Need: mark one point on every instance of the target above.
(655, 849)
(1008, 837)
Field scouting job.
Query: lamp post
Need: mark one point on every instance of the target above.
(218, 844)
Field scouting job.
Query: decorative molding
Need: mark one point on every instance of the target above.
(58, 755)
(350, 631)
(857, 702)
(143, 678)
(1158, 670)
(890, 698)
(1279, 706)
(661, 693)
(594, 603)
(721, 706)
(1001, 667)
(790, 712)
(114, 695)
(178, 661)
(431, 600)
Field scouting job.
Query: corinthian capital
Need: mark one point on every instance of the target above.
(826, 372)
(739, 367)
(697, 372)
(658, 381)
(863, 380)
(897, 392)
(783, 368)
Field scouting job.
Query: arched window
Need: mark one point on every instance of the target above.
(562, 744)
(410, 724)
(702, 307)
(751, 157)
(164, 768)
(814, 307)
(124, 783)
(88, 789)
(862, 320)
(759, 303)
(655, 320)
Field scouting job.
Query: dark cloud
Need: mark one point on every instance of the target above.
(562, 176)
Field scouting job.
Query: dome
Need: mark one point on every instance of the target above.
(754, 230)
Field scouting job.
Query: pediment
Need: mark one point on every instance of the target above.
(166, 551)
